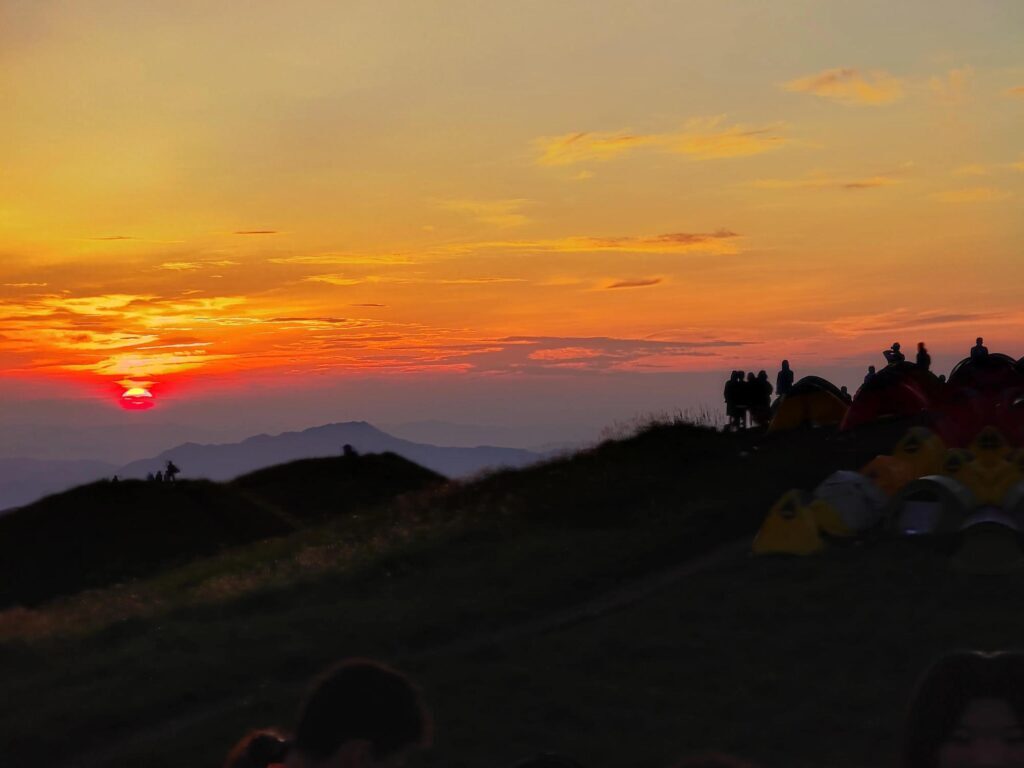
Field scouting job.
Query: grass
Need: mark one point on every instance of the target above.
(731, 657)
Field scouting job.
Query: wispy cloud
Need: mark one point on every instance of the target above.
(495, 213)
(645, 283)
(972, 169)
(850, 86)
(702, 138)
(190, 266)
(719, 241)
(972, 195)
(953, 87)
(1017, 92)
(828, 182)
(903, 320)
(113, 237)
(342, 259)
(256, 232)
(25, 285)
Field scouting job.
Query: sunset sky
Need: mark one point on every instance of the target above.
(205, 199)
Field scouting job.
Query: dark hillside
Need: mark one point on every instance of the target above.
(311, 489)
(104, 532)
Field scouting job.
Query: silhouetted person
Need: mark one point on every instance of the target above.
(870, 374)
(761, 407)
(159, 477)
(942, 378)
(731, 394)
(979, 351)
(845, 393)
(746, 396)
(348, 451)
(361, 714)
(114, 479)
(968, 712)
(784, 381)
(171, 472)
(150, 477)
(893, 354)
(924, 360)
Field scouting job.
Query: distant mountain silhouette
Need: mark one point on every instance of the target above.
(22, 481)
(229, 460)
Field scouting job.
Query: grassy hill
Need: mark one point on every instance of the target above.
(494, 595)
(314, 489)
(107, 532)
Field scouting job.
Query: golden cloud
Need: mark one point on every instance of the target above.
(704, 138)
(720, 241)
(951, 89)
(972, 195)
(827, 182)
(496, 213)
(645, 283)
(1017, 91)
(849, 86)
(341, 259)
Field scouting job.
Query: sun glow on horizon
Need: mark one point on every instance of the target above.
(686, 199)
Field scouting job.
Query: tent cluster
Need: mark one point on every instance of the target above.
(958, 471)
(980, 392)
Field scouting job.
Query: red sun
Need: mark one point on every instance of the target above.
(137, 399)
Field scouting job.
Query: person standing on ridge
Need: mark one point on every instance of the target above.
(979, 351)
(784, 381)
(924, 360)
(893, 354)
(870, 374)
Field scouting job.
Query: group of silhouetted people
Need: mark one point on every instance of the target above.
(168, 475)
(748, 395)
(967, 712)
(893, 355)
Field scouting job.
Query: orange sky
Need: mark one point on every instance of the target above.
(229, 191)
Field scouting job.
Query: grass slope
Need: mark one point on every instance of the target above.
(731, 657)
(99, 533)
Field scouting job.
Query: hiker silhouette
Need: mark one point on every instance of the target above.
(893, 354)
(171, 472)
(761, 401)
(737, 415)
(924, 360)
(784, 380)
(870, 374)
(979, 351)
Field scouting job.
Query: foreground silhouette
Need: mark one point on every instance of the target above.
(361, 714)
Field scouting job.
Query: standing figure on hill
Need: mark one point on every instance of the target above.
(761, 410)
(784, 381)
(870, 374)
(893, 354)
(171, 472)
(845, 393)
(979, 351)
(748, 397)
(924, 360)
(731, 393)
(158, 477)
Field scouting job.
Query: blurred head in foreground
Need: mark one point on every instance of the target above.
(967, 712)
(360, 714)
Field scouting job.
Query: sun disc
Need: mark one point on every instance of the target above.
(137, 392)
